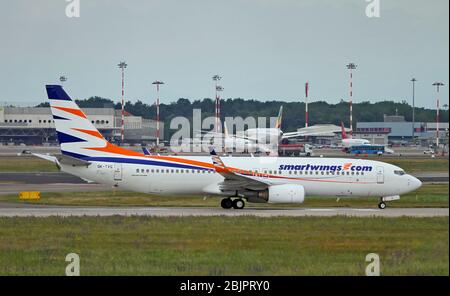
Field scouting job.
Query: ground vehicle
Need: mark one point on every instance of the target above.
(367, 149)
(429, 151)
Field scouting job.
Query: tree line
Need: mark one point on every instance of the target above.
(293, 112)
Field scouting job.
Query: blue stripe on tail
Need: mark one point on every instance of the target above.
(65, 138)
(59, 117)
(56, 92)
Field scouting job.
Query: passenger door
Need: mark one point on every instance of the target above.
(380, 175)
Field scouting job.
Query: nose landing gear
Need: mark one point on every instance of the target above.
(382, 205)
(228, 203)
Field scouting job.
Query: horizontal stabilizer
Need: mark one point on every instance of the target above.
(69, 160)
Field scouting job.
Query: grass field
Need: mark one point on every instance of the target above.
(28, 163)
(429, 195)
(223, 245)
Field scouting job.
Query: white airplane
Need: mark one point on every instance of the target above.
(275, 134)
(348, 141)
(267, 139)
(86, 153)
(232, 143)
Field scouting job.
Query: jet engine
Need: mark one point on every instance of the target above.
(286, 193)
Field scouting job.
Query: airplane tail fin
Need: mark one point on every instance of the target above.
(280, 117)
(77, 135)
(225, 130)
(344, 134)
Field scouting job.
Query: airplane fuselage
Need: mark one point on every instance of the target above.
(195, 175)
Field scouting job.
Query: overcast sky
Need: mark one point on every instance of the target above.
(263, 49)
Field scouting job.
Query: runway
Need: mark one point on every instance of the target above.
(21, 210)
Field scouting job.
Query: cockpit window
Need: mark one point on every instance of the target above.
(400, 173)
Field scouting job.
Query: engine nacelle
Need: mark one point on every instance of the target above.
(286, 193)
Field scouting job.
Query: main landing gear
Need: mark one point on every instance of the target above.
(228, 203)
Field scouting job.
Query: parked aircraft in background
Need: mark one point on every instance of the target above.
(348, 141)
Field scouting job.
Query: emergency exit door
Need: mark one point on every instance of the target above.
(117, 171)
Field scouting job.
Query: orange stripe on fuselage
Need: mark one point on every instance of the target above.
(185, 161)
(76, 112)
(111, 148)
(89, 132)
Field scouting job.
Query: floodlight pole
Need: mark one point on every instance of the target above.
(122, 66)
(350, 67)
(157, 83)
(218, 88)
(413, 109)
(438, 85)
(306, 104)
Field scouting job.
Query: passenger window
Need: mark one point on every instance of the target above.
(137, 170)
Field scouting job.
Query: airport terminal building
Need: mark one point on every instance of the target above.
(35, 125)
(394, 129)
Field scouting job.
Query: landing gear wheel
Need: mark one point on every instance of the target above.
(382, 205)
(238, 204)
(226, 203)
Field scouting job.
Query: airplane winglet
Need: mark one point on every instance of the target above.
(218, 164)
(146, 151)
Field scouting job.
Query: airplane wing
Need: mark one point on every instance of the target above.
(315, 130)
(63, 159)
(235, 179)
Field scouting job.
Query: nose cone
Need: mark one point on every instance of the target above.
(415, 183)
